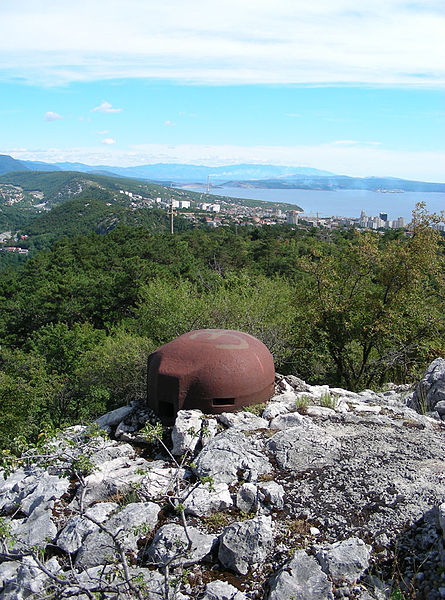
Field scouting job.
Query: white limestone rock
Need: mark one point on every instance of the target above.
(221, 590)
(271, 495)
(170, 545)
(287, 399)
(346, 560)
(232, 456)
(207, 499)
(287, 420)
(245, 545)
(301, 578)
(37, 530)
(111, 477)
(209, 430)
(30, 580)
(247, 498)
(158, 481)
(243, 420)
(304, 447)
(111, 450)
(8, 572)
(75, 531)
(320, 412)
(48, 488)
(130, 524)
(273, 409)
(186, 431)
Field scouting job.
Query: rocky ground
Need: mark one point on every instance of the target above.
(320, 494)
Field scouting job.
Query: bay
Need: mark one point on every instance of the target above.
(344, 203)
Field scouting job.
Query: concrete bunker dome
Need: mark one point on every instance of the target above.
(215, 370)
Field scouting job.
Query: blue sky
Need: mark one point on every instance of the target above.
(341, 85)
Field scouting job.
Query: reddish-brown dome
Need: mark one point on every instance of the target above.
(215, 370)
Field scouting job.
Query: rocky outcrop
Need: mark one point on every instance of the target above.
(430, 391)
(316, 497)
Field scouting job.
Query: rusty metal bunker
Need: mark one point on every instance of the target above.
(214, 370)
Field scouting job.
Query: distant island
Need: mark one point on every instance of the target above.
(240, 175)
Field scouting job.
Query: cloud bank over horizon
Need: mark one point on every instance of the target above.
(386, 42)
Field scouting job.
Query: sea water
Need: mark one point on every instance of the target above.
(344, 203)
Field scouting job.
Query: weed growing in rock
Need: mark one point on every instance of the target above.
(302, 402)
(328, 400)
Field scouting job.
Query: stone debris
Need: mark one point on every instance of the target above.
(207, 499)
(347, 478)
(304, 447)
(232, 456)
(186, 431)
(300, 579)
(346, 560)
(245, 545)
(71, 537)
(244, 420)
(170, 546)
(113, 418)
(220, 590)
(129, 524)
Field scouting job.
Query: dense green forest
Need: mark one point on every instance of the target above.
(78, 319)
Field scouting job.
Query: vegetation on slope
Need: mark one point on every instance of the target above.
(78, 320)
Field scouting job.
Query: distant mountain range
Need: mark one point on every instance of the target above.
(242, 175)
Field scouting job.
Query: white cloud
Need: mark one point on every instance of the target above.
(104, 132)
(389, 42)
(52, 116)
(106, 107)
(357, 160)
(170, 123)
(108, 141)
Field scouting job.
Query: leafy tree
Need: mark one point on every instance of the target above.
(375, 304)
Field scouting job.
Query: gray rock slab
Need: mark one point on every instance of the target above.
(49, 487)
(111, 477)
(207, 499)
(271, 495)
(30, 580)
(286, 420)
(346, 560)
(114, 417)
(442, 519)
(8, 572)
(273, 409)
(221, 590)
(170, 546)
(75, 531)
(18, 485)
(209, 430)
(431, 388)
(111, 450)
(323, 412)
(186, 431)
(37, 530)
(231, 456)
(287, 399)
(130, 524)
(247, 497)
(304, 447)
(246, 544)
(243, 420)
(300, 579)
(158, 481)
(296, 383)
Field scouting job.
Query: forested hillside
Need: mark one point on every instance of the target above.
(78, 320)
